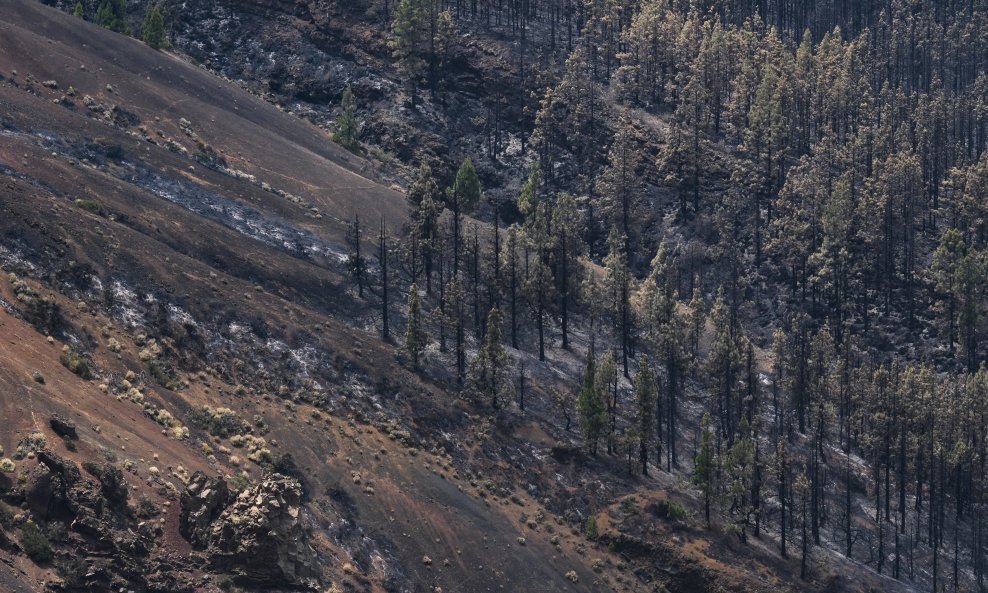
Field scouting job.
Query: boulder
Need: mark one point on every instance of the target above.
(63, 427)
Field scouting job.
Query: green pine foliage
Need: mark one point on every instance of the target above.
(590, 406)
(153, 30)
(112, 14)
(705, 469)
(347, 132)
(410, 43)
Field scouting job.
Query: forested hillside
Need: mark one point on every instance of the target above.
(732, 252)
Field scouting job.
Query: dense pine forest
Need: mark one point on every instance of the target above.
(773, 212)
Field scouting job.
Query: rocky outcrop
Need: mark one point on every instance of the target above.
(258, 537)
(112, 483)
(202, 502)
(48, 485)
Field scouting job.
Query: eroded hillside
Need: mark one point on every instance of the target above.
(194, 397)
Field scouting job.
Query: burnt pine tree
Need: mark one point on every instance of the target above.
(356, 263)
(416, 336)
(802, 490)
(539, 282)
(383, 256)
(620, 187)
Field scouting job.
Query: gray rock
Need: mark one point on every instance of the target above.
(63, 427)
(260, 538)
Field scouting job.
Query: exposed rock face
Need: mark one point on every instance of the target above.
(112, 483)
(202, 502)
(48, 486)
(257, 537)
(260, 538)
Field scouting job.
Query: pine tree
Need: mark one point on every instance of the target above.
(112, 14)
(347, 132)
(462, 198)
(416, 336)
(80, 10)
(356, 263)
(410, 44)
(606, 382)
(513, 271)
(782, 479)
(739, 466)
(487, 376)
(645, 397)
(153, 31)
(619, 288)
(466, 188)
(722, 367)
(704, 472)
(423, 196)
(946, 263)
(619, 189)
(529, 197)
(539, 283)
(455, 300)
(443, 38)
(591, 406)
(682, 156)
(568, 224)
(759, 171)
(971, 289)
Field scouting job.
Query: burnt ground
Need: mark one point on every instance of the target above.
(147, 205)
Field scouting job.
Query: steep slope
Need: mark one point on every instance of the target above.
(191, 274)
(182, 241)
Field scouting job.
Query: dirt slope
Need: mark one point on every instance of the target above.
(160, 90)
